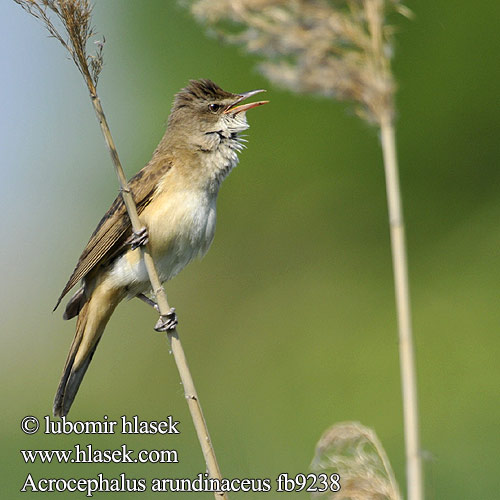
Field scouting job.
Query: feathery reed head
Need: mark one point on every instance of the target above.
(337, 48)
(354, 452)
(75, 17)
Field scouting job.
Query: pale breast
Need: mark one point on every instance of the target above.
(181, 226)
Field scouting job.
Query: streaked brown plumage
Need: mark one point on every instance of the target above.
(175, 195)
(114, 229)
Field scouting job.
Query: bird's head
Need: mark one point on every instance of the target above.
(205, 115)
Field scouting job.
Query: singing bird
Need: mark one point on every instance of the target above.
(176, 195)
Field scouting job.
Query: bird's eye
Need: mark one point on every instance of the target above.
(214, 107)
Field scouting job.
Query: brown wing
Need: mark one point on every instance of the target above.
(108, 239)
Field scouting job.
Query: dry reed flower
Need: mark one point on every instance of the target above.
(75, 17)
(336, 48)
(355, 453)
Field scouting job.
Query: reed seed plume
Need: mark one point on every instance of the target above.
(355, 453)
(75, 18)
(340, 49)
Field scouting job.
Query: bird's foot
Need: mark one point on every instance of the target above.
(167, 322)
(139, 238)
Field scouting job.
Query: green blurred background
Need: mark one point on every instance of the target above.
(289, 322)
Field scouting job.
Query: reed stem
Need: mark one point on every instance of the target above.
(401, 287)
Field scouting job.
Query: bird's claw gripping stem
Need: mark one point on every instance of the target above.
(139, 238)
(167, 322)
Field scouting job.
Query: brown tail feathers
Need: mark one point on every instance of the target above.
(93, 316)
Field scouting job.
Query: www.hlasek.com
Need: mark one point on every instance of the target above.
(88, 453)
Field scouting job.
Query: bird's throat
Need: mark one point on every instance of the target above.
(219, 157)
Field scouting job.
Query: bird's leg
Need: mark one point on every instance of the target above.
(148, 301)
(165, 322)
(139, 238)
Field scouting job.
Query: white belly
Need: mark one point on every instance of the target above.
(181, 226)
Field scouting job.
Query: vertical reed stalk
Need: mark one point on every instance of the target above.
(406, 348)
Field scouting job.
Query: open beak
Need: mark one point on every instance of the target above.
(236, 107)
